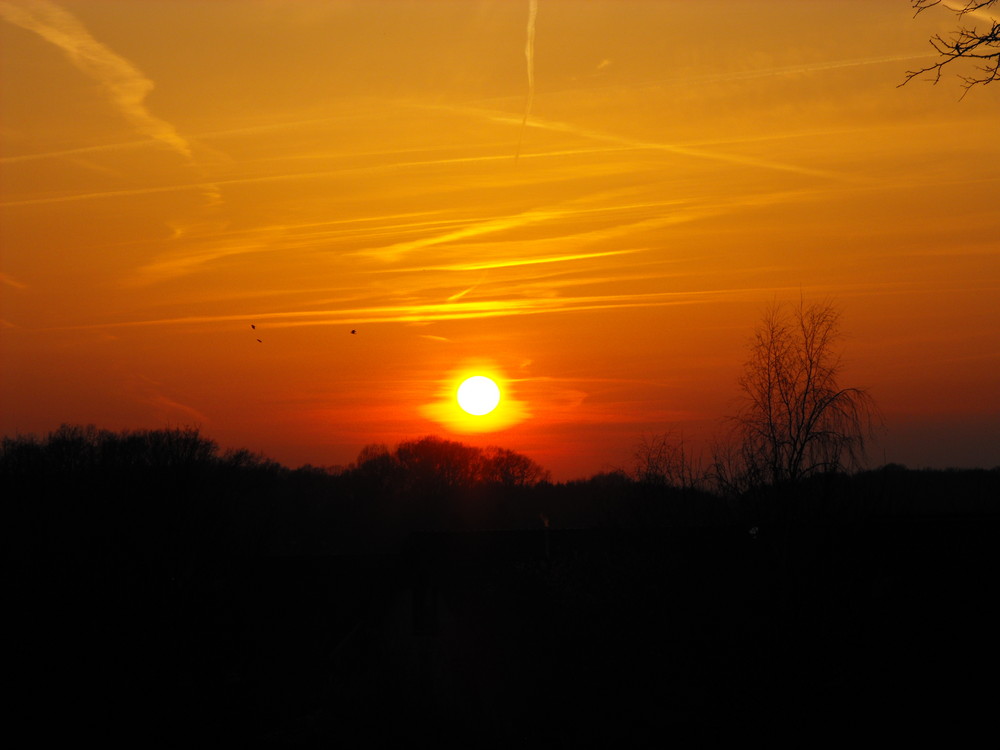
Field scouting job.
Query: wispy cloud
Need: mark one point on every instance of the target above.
(214, 243)
(123, 146)
(467, 290)
(561, 212)
(981, 14)
(554, 244)
(467, 237)
(429, 312)
(802, 68)
(293, 176)
(149, 392)
(511, 262)
(8, 280)
(125, 84)
(479, 228)
(104, 194)
(168, 407)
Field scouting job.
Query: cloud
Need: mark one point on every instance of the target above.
(126, 86)
(167, 407)
(426, 312)
(816, 67)
(511, 262)
(211, 242)
(149, 392)
(459, 295)
(74, 151)
(8, 280)
(488, 226)
(980, 14)
(473, 249)
(212, 190)
(559, 212)
(522, 300)
(622, 220)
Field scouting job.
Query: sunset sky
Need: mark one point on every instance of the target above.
(175, 171)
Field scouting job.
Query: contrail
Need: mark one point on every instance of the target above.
(529, 54)
(635, 143)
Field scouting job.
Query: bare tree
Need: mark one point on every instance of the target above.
(796, 419)
(663, 460)
(977, 39)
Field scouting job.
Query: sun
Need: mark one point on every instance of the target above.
(478, 395)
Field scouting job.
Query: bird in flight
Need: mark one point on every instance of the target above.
(253, 326)
(354, 330)
(259, 341)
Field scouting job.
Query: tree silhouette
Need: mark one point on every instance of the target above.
(438, 465)
(796, 419)
(968, 42)
(509, 468)
(663, 460)
(434, 465)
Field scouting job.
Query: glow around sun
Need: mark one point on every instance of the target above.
(478, 395)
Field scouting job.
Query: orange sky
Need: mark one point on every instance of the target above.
(175, 171)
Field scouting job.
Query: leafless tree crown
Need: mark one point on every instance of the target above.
(796, 419)
(664, 460)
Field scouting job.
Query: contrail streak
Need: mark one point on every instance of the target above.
(529, 55)
(639, 144)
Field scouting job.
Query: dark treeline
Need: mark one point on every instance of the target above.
(159, 582)
(177, 490)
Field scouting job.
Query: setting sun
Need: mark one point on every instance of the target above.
(478, 395)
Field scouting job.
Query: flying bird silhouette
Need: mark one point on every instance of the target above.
(253, 326)
(259, 341)
(354, 330)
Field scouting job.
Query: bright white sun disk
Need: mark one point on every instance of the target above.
(478, 395)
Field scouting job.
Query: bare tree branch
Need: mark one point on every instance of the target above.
(968, 42)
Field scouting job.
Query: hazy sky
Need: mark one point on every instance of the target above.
(174, 171)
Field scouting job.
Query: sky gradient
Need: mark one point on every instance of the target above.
(172, 173)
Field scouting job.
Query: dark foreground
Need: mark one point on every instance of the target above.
(529, 639)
